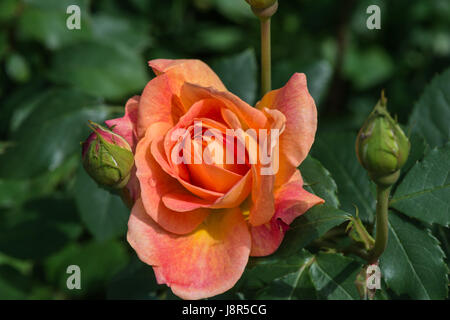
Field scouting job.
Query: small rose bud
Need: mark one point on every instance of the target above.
(381, 146)
(263, 9)
(261, 4)
(107, 157)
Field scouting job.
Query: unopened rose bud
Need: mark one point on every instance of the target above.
(263, 8)
(261, 4)
(107, 157)
(381, 146)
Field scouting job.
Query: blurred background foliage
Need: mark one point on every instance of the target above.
(52, 80)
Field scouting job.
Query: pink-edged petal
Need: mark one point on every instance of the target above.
(291, 201)
(297, 105)
(154, 183)
(126, 126)
(133, 187)
(184, 201)
(188, 70)
(156, 104)
(202, 264)
(267, 238)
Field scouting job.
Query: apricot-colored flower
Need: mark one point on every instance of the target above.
(197, 224)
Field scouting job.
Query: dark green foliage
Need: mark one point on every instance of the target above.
(52, 80)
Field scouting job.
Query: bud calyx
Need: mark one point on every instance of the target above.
(382, 147)
(263, 8)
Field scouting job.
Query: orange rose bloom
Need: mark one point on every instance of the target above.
(197, 224)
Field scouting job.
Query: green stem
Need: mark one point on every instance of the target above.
(381, 237)
(266, 83)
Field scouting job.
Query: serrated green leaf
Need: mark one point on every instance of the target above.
(334, 275)
(239, 73)
(418, 150)
(318, 180)
(413, 263)
(336, 152)
(310, 226)
(282, 278)
(104, 214)
(431, 114)
(290, 257)
(424, 193)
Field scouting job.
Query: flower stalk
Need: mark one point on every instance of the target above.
(382, 149)
(264, 10)
(382, 232)
(266, 72)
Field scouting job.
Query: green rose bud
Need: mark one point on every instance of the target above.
(263, 8)
(381, 146)
(261, 4)
(107, 157)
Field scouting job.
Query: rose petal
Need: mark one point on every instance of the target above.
(237, 194)
(160, 157)
(158, 103)
(205, 108)
(126, 126)
(186, 70)
(209, 176)
(133, 187)
(291, 201)
(295, 102)
(154, 183)
(231, 119)
(204, 263)
(263, 207)
(184, 201)
(250, 117)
